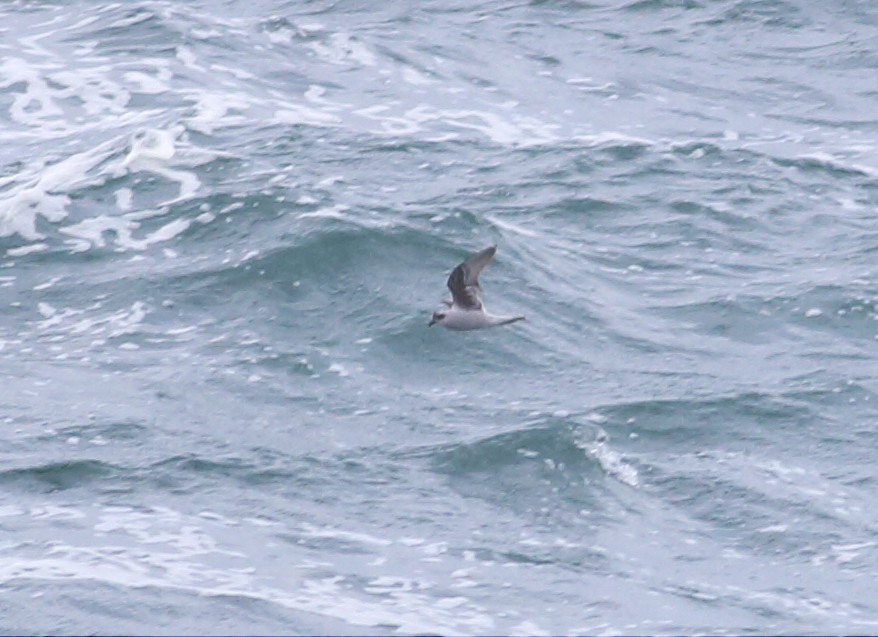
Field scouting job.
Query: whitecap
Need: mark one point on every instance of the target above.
(341, 48)
(150, 84)
(610, 460)
(151, 144)
(41, 191)
(311, 530)
(339, 369)
(300, 114)
(28, 249)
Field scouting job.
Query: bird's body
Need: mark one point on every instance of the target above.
(466, 311)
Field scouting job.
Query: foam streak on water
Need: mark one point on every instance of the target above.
(224, 225)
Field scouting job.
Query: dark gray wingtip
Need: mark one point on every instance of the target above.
(489, 252)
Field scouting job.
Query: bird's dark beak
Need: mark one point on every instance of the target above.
(431, 323)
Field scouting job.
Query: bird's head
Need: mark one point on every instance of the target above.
(438, 317)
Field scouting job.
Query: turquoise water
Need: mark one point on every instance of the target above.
(224, 227)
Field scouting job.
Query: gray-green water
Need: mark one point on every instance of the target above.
(224, 226)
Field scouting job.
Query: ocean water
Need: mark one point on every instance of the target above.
(224, 226)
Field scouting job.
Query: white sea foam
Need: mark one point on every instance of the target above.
(614, 138)
(150, 84)
(301, 114)
(39, 191)
(610, 460)
(311, 530)
(124, 196)
(28, 249)
(151, 144)
(502, 127)
(832, 161)
(511, 227)
(215, 110)
(342, 48)
(35, 106)
(167, 550)
(78, 321)
(93, 231)
(10, 510)
(46, 310)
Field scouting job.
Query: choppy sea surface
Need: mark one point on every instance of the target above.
(224, 226)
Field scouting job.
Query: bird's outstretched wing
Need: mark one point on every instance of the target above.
(464, 279)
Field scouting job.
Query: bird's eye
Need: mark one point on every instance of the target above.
(440, 316)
